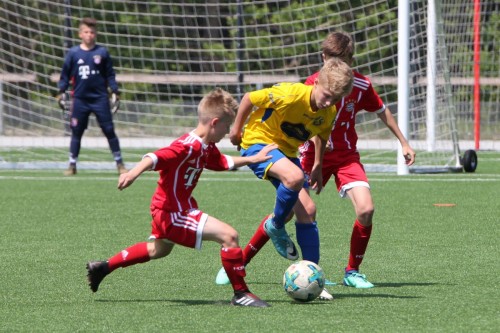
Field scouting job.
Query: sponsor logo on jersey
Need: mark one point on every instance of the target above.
(97, 59)
(80, 61)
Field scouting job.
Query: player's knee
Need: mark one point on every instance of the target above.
(294, 180)
(230, 238)
(77, 132)
(108, 130)
(158, 249)
(365, 215)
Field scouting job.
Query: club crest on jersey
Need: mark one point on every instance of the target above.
(349, 106)
(97, 59)
(318, 121)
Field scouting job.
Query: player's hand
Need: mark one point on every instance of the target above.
(329, 146)
(114, 102)
(126, 179)
(316, 179)
(409, 155)
(62, 101)
(235, 137)
(262, 156)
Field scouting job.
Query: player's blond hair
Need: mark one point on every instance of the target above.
(336, 76)
(338, 44)
(217, 104)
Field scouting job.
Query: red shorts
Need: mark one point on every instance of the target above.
(345, 166)
(183, 228)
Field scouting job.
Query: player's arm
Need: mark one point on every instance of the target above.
(244, 111)
(261, 156)
(114, 97)
(126, 179)
(316, 171)
(388, 119)
(63, 84)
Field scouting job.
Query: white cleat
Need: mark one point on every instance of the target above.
(325, 296)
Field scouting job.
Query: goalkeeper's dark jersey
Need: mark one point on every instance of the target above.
(89, 73)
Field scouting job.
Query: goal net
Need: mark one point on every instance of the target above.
(167, 55)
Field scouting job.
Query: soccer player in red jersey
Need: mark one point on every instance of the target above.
(176, 218)
(342, 159)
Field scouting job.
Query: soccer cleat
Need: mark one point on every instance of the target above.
(325, 295)
(70, 171)
(281, 241)
(222, 278)
(356, 280)
(121, 168)
(96, 272)
(248, 299)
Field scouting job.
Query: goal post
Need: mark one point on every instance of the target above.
(168, 55)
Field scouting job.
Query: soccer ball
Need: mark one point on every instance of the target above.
(304, 281)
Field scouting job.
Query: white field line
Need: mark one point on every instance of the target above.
(426, 178)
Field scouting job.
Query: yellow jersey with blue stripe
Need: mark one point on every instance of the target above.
(284, 116)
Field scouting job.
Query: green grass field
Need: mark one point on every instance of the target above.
(436, 269)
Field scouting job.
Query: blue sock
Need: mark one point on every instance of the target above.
(308, 240)
(285, 200)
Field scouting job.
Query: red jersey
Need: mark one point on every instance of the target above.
(362, 97)
(180, 166)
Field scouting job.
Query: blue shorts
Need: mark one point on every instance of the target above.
(260, 169)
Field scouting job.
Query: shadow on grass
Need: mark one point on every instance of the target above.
(405, 284)
(379, 285)
(227, 302)
(193, 302)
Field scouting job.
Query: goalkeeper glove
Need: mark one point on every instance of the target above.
(63, 101)
(114, 102)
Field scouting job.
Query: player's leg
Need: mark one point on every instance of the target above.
(135, 254)
(105, 120)
(287, 177)
(232, 261)
(355, 186)
(78, 124)
(307, 232)
(257, 242)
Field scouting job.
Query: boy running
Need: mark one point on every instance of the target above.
(176, 218)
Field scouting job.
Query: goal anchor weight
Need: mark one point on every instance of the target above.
(469, 161)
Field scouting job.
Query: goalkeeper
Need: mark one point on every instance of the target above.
(89, 69)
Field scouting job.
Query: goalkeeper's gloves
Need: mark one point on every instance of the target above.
(114, 102)
(63, 101)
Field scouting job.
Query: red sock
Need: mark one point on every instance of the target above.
(359, 241)
(257, 242)
(135, 254)
(232, 261)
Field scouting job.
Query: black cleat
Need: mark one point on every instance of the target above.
(96, 272)
(248, 299)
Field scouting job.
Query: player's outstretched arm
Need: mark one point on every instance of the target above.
(244, 111)
(261, 156)
(389, 121)
(126, 179)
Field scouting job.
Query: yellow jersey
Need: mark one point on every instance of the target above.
(284, 116)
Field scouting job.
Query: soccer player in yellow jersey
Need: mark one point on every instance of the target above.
(289, 114)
